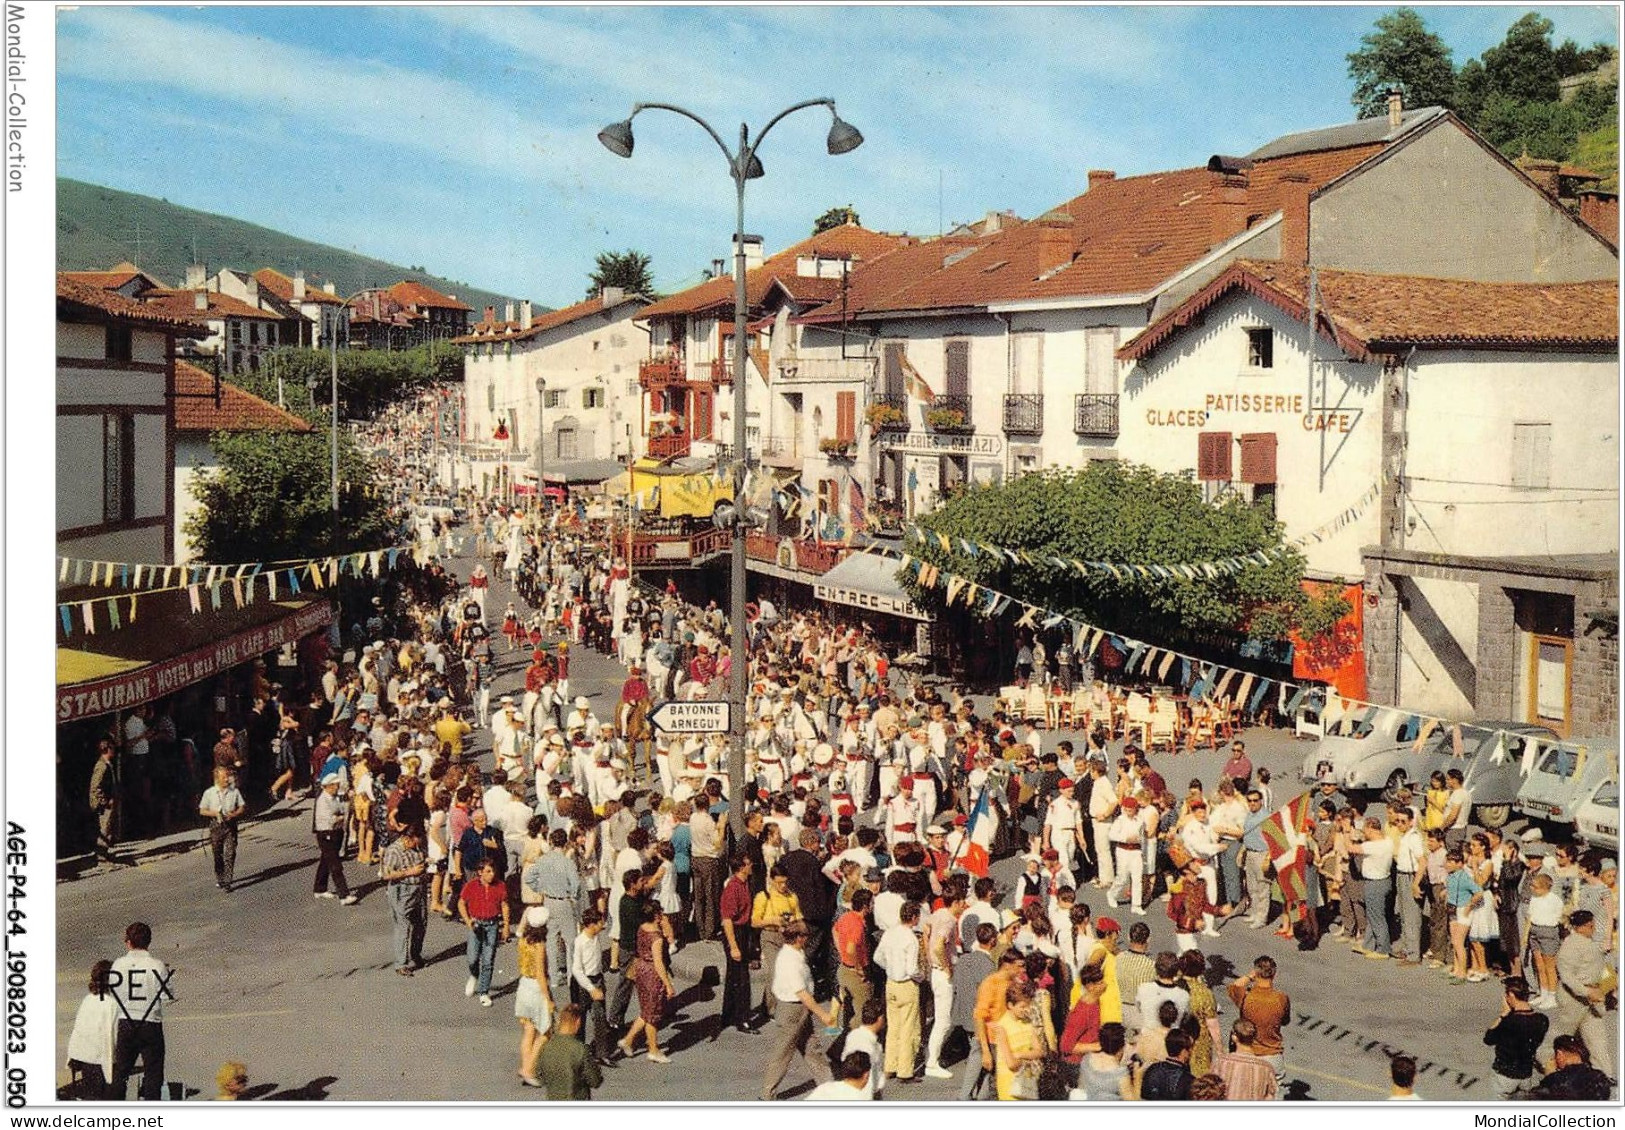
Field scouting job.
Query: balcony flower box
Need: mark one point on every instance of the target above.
(838, 448)
(884, 416)
(946, 420)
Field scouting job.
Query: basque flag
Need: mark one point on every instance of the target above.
(1287, 833)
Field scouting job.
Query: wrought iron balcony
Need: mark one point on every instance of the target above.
(1024, 413)
(949, 413)
(1095, 414)
(888, 412)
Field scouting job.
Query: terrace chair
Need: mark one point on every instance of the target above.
(1037, 704)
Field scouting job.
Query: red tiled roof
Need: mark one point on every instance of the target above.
(281, 286)
(409, 292)
(110, 279)
(183, 303)
(1126, 236)
(849, 241)
(127, 310)
(239, 411)
(541, 323)
(1368, 314)
(809, 290)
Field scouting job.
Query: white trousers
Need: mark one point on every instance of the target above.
(942, 1000)
(1103, 853)
(1130, 874)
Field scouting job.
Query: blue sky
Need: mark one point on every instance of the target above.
(463, 138)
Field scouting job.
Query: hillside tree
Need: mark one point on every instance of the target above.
(628, 270)
(1401, 52)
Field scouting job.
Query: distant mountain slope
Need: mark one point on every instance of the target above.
(98, 227)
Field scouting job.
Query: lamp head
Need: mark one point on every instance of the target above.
(617, 138)
(843, 136)
(754, 170)
(541, 384)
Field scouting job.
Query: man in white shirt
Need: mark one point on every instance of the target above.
(791, 989)
(139, 983)
(1124, 833)
(865, 1037)
(506, 728)
(1102, 807)
(1410, 866)
(852, 1085)
(1063, 826)
(1458, 813)
(587, 979)
(942, 948)
(905, 817)
(898, 955)
(1377, 869)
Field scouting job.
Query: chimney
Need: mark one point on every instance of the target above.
(1229, 204)
(253, 291)
(753, 252)
(1600, 212)
(200, 300)
(1101, 176)
(1396, 107)
(299, 286)
(611, 295)
(719, 267)
(490, 315)
(524, 314)
(507, 312)
(1054, 240)
(196, 275)
(330, 288)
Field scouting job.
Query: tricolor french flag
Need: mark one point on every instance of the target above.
(974, 854)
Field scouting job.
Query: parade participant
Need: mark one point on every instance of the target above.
(904, 814)
(328, 820)
(791, 987)
(1124, 833)
(1103, 806)
(483, 906)
(222, 806)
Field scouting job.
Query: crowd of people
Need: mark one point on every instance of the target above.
(862, 936)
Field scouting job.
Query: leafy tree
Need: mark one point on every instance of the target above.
(1122, 512)
(628, 270)
(1401, 52)
(1472, 92)
(271, 500)
(369, 380)
(1523, 66)
(1572, 59)
(834, 218)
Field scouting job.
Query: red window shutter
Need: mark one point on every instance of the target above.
(700, 422)
(1213, 456)
(846, 416)
(1258, 457)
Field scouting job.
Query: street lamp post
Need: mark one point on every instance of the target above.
(743, 166)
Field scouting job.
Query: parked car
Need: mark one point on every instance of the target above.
(1564, 776)
(1381, 757)
(1596, 821)
(441, 509)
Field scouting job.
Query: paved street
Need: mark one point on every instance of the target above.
(301, 991)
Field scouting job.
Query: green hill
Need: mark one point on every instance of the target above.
(97, 227)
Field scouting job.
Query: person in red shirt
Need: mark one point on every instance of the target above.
(734, 910)
(1081, 1034)
(1188, 906)
(851, 935)
(483, 905)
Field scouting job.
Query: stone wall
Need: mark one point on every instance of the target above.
(1596, 659)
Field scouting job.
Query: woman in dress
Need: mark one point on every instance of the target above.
(438, 853)
(1204, 1007)
(653, 981)
(285, 745)
(90, 1045)
(533, 1000)
(511, 628)
(1102, 1076)
(1436, 802)
(361, 812)
(1483, 926)
(1019, 1045)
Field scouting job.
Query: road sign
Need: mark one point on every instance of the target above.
(692, 717)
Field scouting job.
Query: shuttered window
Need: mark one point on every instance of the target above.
(1213, 456)
(1027, 364)
(893, 371)
(956, 367)
(1258, 457)
(1531, 456)
(846, 416)
(700, 421)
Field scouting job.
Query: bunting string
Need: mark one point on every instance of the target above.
(214, 585)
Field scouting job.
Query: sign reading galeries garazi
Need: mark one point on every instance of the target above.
(119, 692)
(938, 443)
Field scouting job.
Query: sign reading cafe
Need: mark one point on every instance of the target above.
(935, 443)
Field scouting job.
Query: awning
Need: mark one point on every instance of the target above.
(579, 471)
(117, 670)
(868, 580)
